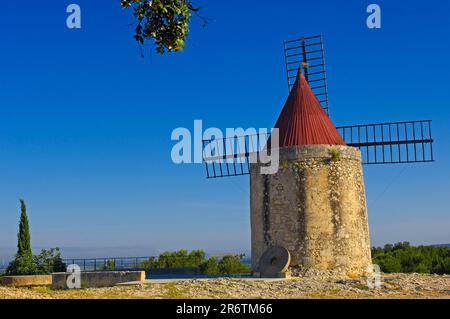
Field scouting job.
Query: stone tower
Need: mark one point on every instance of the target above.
(315, 205)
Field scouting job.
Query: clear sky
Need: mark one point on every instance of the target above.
(85, 122)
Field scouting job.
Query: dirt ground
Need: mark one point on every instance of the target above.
(392, 286)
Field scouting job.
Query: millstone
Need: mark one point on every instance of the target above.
(274, 262)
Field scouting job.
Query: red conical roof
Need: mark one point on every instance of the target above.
(303, 121)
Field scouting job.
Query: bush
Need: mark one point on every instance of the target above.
(231, 264)
(180, 259)
(151, 263)
(49, 261)
(21, 265)
(110, 264)
(402, 257)
(210, 267)
(390, 265)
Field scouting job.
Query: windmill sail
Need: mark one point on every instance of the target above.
(231, 156)
(308, 54)
(391, 143)
(379, 143)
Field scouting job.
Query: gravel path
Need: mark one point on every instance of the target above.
(393, 286)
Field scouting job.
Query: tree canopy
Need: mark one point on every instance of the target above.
(404, 258)
(229, 264)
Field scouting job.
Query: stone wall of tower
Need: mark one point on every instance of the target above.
(315, 206)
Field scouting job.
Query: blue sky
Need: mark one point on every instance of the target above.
(85, 122)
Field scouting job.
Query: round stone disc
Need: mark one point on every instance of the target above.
(274, 261)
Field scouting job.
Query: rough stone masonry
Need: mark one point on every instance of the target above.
(315, 206)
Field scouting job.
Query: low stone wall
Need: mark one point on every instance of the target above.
(194, 271)
(98, 279)
(24, 281)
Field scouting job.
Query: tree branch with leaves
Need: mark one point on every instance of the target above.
(166, 22)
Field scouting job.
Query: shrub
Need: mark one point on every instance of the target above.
(231, 264)
(402, 257)
(49, 261)
(110, 264)
(151, 263)
(210, 266)
(180, 259)
(390, 265)
(335, 155)
(21, 265)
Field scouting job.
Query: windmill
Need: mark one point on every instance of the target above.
(314, 206)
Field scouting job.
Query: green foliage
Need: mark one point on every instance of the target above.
(23, 236)
(390, 265)
(110, 264)
(151, 263)
(404, 258)
(210, 266)
(49, 261)
(335, 155)
(175, 259)
(181, 258)
(231, 264)
(164, 21)
(21, 265)
(25, 263)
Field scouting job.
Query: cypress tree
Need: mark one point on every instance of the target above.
(23, 264)
(23, 237)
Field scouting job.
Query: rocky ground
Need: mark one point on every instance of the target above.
(393, 286)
